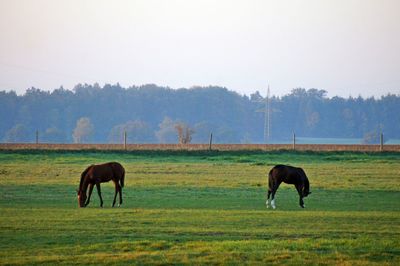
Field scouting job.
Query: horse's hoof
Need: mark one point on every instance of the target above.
(273, 204)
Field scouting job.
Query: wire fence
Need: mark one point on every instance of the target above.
(293, 143)
(203, 147)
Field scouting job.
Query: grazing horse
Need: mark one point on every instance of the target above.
(96, 174)
(288, 175)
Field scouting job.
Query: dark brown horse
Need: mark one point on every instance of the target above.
(96, 174)
(288, 175)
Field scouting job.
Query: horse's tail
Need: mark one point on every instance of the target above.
(118, 172)
(270, 181)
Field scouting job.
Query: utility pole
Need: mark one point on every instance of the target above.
(124, 139)
(209, 147)
(267, 116)
(294, 141)
(267, 123)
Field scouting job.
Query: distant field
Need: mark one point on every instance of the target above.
(200, 207)
(300, 146)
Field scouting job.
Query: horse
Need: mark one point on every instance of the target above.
(96, 174)
(288, 175)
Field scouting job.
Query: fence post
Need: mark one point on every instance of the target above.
(294, 141)
(125, 140)
(209, 147)
(381, 141)
(37, 137)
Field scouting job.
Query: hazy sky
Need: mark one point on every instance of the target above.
(346, 47)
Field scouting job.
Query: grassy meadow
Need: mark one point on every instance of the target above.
(200, 208)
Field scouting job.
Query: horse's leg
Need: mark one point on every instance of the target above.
(99, 192)
(270, 186)
(274, 189)
(120, 196)
(268, 195)
(301, 202)
(90, 194)
(116, 191)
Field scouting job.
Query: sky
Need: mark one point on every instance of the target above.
(346, 47)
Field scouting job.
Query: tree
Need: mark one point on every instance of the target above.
(231, 117)
(166, 133)
(18, 133)
(256, 97)
(371, 138)
(83, 130)
(225, 134)
(54, 135)
(184, 133)
(203, 130)
(137, 132)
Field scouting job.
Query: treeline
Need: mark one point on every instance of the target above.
(152, 114)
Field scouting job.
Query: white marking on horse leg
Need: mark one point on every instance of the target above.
(267, 203)
(273, 204)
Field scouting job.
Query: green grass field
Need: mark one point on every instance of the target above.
(200, 208)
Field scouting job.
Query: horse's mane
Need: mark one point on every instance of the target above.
(83, 176)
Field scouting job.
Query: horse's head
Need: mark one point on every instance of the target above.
(81, 198)
(306, 188)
